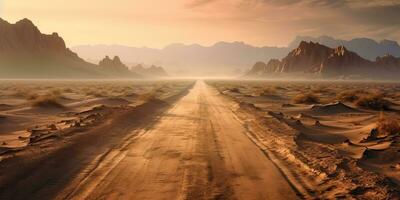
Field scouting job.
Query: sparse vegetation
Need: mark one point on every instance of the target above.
(374, 102)
(56, 92)
(235, 90)
(319, 89)
(68, 90)
(32, 96)
(388, 126)
(148, 96)
(268, 91)
(97, 93)
(47, 101)
(307, 98)
(350, 95)
(160, 90)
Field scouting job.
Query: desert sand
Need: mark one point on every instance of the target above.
(192, 147)
(198, 140)
(332, 139)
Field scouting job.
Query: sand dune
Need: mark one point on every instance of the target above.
(332, 109)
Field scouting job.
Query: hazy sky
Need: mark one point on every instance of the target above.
(155, 23)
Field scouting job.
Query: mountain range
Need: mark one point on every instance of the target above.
(226, 58)
(365, 47)
(311, 58)
(222, 58)
(25, 52)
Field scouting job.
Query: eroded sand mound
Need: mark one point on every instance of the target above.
(305, 116)
(110, 101)
(113, 101)
(383, 154)
(321, 137)
(332, 109)
(246, 105)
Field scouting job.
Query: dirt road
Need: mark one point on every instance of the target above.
(197, 150)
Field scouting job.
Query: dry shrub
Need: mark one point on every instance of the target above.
(32, 96)
(387, 126)
(47, 101)
(268, 91)
(350, 95)
(160, 90)
(319, 89)
(148, 96)
(97, 93)
(68, 90)
(374, 102)
(21, 93)
(129, 94)
(235, 90)
(280, 88)
(307, 98)
(55, 92)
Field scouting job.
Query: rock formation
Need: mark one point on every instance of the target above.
(258, 69)
(388, 62)
(365, 47)
(305, 58)
(273, 65)
(342, 62)
(152, 71)
(27, 53)
(314, 58)
(115, 65)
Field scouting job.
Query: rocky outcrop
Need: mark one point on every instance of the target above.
(25, 52)
(343, 62)
(259, 68)
(365, 47)
(273, 65)
(314, 58)
(152, 71)
(388, 62)
(115, 67)
(24, 37)
(305, 58)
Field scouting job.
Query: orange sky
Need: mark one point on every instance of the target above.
(157, 23)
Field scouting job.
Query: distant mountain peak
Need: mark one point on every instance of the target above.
(365, 47)
(116, 59)
(25, 21)
(316, 59)
(152, 71)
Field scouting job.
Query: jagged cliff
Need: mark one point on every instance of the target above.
(25, 52)
(314, 58)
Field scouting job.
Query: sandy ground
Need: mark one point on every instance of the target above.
(196, 149)
(328, 146)
(35, 110)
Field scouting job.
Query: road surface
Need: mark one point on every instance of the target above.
(197, 150)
